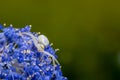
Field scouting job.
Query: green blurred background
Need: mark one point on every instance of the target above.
(87, 32)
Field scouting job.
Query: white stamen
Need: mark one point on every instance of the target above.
(57, 50)
(11, 25)
(28, 51)
(51, 44)
(38, 33)
(30, 25)
(4, 24)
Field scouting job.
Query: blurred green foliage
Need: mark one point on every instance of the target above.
(86, 31)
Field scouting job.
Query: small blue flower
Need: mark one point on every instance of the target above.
(26, 55)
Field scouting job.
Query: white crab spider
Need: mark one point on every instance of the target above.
(41, 42)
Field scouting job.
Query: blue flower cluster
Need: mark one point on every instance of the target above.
(26, 55)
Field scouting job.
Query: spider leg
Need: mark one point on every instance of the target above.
(53, 58)
(34, 39)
